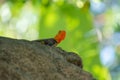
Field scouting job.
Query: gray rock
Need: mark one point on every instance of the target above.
(30, 60)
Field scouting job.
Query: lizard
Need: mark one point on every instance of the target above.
(53, 41)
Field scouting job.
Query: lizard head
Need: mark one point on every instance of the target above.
(60, 36)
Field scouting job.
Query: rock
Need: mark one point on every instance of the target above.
(29, 60)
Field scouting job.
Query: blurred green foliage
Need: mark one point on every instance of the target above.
(53, 16)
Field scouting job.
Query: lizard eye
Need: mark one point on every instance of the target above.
(59, 31)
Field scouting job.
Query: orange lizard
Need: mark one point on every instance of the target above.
(53, 41)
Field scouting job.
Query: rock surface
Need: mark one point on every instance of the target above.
(29, 60)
